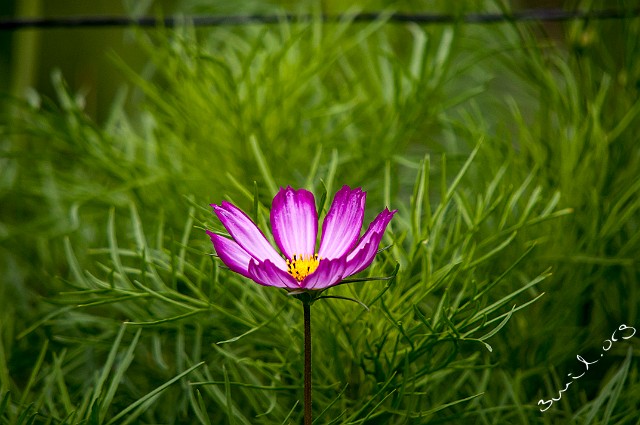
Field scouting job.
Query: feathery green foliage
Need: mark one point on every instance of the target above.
(511, 157)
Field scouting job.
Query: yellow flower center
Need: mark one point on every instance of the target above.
(302, 266)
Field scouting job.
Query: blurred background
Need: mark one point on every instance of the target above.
(83, 55)
(510, 150)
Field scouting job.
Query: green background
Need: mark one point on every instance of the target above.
(509, 149)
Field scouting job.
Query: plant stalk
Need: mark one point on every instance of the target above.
(308, 416)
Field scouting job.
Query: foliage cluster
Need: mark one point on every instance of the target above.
(512, 159)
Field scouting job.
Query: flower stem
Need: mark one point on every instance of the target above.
(307, 363)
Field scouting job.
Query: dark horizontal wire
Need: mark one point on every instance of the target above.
(420, 18)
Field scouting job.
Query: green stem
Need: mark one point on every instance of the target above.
(26, 50)
(308, 416)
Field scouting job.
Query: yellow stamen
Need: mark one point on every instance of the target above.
(302, 266)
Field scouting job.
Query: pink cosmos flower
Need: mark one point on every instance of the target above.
(294, 222)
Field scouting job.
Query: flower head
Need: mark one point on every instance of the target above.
(294, 223)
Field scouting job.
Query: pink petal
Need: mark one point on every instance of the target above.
(328, 273)
(245, 232)
(265, 273)
(364, 253)
(231, 254)
(294, 222)
(343, 222)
